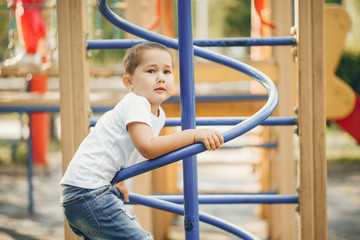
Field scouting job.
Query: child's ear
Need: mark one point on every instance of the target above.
(127, 82)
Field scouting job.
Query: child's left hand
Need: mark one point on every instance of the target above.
(121, 186)
(211, 138)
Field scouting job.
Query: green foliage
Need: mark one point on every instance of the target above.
(333, 1)
(103, 29)
(238, 19)
(349, 70)
(13, 152)
(4, 28)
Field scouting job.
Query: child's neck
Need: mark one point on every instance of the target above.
(155, 110)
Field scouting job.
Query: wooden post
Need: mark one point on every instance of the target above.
(312, 175)
(74, 79)
(319, 127)
(285, 163)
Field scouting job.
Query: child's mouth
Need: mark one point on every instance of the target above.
(160, 89)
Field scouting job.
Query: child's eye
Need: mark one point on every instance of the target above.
(151, 71)
(167, 72)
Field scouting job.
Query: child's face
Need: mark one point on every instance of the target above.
(153, 78)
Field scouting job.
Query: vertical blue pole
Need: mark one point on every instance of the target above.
(30, 172)
(30, 162)
(187, 93)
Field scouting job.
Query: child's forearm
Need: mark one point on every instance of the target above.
(158, 146)
(151, 147)
(168, 143)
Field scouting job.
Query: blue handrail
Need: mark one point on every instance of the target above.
(196, 148)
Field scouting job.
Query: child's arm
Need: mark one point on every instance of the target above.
(151, 147)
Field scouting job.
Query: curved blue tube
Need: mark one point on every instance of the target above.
(191, 150)
(236, 131)
(174, 208)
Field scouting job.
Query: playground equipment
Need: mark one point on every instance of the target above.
(342, 104)
(32, 36)
(311, 120)
(75, 105)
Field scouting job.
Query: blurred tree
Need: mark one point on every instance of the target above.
(349, 70)
(4, 28)
(333, 1)
(238, 19)
(353, 37)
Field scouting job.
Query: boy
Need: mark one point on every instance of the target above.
(122, 137)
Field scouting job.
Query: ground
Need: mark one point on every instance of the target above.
(47, 221)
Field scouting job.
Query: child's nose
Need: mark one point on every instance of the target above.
(161, 78)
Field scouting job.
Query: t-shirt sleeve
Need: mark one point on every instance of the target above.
(137, 109)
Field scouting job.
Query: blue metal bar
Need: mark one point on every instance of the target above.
(236, 131)
(187, 104)
(19, 108)
(235, 199)
(219, 42)
(174, 208)
(242, 97)
(30, 171)
(246, 42)
(225, 121)
(230, 121)
(29, 108)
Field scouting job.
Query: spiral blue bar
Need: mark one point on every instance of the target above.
(184, 41)
(220, 42)
(174, 208)
(196, 148)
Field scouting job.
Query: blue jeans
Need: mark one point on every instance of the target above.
(99, 214)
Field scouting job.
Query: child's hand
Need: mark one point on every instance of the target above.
(211, 138)
(123, 189)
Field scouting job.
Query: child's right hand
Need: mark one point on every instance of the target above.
(121, 186)
(211, 138)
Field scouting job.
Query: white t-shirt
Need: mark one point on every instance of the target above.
(108, 147)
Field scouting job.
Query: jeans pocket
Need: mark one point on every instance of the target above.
(72, 201)
(127, 212)
(80, 216)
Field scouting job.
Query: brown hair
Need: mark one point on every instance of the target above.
(133, 56)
